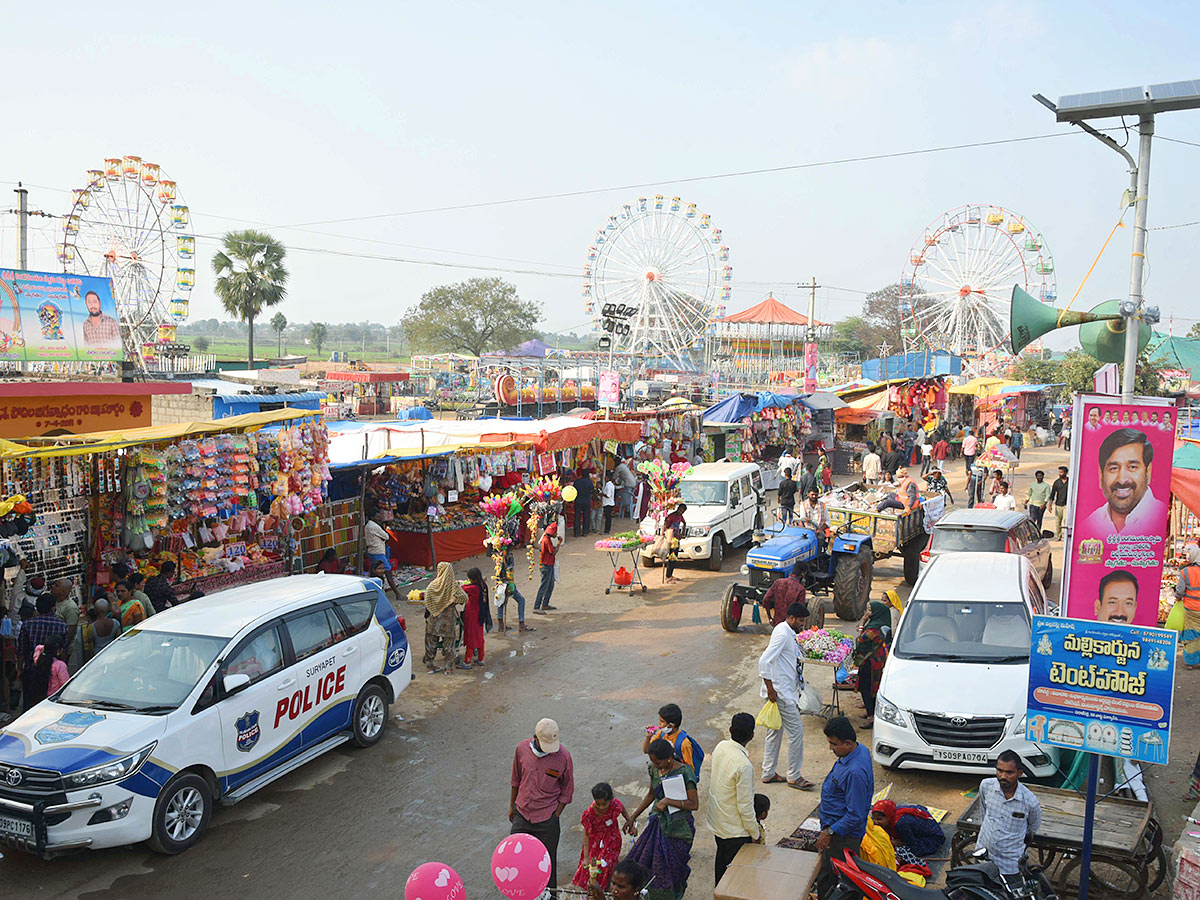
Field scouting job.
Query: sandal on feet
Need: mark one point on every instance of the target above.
(802, 785)
(774, 779)
(524, 629)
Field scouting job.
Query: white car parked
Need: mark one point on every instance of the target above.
(206, 702)
(954, 689)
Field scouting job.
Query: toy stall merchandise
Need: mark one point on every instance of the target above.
(764, 434)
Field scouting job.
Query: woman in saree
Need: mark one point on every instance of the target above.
(870, 654)
(665, 847)
(442, 599)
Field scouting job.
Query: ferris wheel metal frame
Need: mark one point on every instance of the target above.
(956, 287)
(665, 258)
(131, 224)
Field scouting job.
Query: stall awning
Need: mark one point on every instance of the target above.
(1029, 388)
(391, 457)
(103, 441)
(732, 410)
(981, 386)
(366, 377)
(877, 401)
(823, 400)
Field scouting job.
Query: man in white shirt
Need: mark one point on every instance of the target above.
(1004, 499)
(872, 466)
(782, 673)
(1126, 459)
(376, 538)
(610, 500)
(625, 485)
(787, 461)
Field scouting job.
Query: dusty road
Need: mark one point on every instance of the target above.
(355, 823)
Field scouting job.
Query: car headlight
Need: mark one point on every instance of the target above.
(890, 713)
(1019, 728)
(698, 530)
(109, 772)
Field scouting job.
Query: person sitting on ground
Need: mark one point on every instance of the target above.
(330, 564)
(909, 826)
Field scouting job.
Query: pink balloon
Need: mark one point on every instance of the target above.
(434, 881)
(520, 867)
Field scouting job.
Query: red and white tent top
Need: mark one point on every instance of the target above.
(769, 312)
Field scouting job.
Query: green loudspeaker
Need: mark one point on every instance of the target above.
(1105, 341)
(1029, 319)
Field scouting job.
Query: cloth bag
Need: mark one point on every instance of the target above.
(768, 716)
(1175, 618)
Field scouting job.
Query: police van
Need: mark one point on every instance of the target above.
(204, 703)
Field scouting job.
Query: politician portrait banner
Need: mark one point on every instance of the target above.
(56, 316)
(1120, 483)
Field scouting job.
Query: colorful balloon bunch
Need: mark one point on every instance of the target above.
(545, 490)
(664, 481)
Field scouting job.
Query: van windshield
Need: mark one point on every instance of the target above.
(947, 539)
(964, 631)
(703, 493)
(143, 671)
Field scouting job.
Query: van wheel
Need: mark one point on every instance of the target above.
(717, 555)
(370, 715)
(1049, 576)
(181, 814)
(731, 611)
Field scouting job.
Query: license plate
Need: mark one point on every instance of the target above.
(964, 756)
(17, 828)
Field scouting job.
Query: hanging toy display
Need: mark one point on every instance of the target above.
(502, 519)
(664, 484)
(920, 400)
(544, 501)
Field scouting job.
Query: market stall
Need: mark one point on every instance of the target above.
(224, 500)
(758, 427)
(367, 393)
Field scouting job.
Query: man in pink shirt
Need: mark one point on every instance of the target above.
(543, 782)
(969, 448)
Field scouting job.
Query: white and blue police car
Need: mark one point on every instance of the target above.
(204, 703)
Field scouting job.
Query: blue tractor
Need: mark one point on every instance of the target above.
(843, 568)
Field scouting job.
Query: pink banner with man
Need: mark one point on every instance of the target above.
(1121, 473)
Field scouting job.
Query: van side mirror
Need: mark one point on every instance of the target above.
(235, 683)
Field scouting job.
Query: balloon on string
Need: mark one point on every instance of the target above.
(434, 881)
(569, 493)
(520, 867)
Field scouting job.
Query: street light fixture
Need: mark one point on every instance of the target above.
(1145, 103)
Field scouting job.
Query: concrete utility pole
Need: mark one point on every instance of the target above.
(1138, 261)
(22, 226)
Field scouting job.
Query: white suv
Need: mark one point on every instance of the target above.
(954, 690)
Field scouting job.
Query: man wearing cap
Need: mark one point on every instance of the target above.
(543, 782)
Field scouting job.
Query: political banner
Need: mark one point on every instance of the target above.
(1120, 487)
(57, 317)
(810, 367)
(609, 393)
(1101, 688)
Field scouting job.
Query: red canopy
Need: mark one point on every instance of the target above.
(769, 312)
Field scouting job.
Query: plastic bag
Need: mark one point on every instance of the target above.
(1175, 617)
(768, 716)
(500, 595)
(811, 702)
(622, 577)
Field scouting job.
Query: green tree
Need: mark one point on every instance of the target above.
(1077, 370)
(278, 323)
(1194, 331)
(251, 277)
(200, 344)
(317, 333)
(1032, 369)
(886, 318)
(847, 337)
(471, 317)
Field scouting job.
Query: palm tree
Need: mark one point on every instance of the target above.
(250, 276)
(278, 323)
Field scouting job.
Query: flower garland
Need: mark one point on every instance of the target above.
(829, 645)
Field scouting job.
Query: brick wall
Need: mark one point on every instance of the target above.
(172, 409)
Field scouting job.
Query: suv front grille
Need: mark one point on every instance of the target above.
(31, 785)
(961, 732)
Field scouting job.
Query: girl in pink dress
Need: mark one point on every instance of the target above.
(601, 837)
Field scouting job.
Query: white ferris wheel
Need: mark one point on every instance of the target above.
(130, 224)
(666, 260)
(957, 285)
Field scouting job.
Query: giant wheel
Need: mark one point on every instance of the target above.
(130, 224)
(957, 284)
(664, 260)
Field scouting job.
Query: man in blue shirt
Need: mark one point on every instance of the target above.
(845, 801)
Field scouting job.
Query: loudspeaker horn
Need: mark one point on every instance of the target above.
(1105, 340)
(1029, 319)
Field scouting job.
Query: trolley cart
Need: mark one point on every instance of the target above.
(614, 556)
(1128, 860)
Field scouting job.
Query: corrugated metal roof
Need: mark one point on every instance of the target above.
(246, 393)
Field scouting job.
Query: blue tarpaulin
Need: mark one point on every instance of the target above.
(913, 365)
(731, 410)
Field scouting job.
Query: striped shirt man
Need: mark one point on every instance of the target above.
(1007, 823)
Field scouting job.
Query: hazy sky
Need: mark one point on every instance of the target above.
(287, 113)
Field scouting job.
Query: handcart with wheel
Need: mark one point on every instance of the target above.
(1128, 860)
(616, 548)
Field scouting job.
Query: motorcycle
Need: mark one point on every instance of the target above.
(979, 881)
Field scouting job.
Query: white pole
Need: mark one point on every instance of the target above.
(1133, 322)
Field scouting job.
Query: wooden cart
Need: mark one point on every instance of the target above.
(1128, 860)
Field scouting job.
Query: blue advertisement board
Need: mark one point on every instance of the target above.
(1101, 687)
(57, 316)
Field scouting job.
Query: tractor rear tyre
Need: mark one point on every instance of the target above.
(731, 611)
(912, 561)
(816, 612)
(852, 584)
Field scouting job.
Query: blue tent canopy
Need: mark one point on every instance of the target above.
(731, 410)
(769, 400)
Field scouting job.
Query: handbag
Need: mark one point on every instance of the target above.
(499, 597)
(1175, 617)
(768, 716)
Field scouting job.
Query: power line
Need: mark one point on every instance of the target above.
(899, 154)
